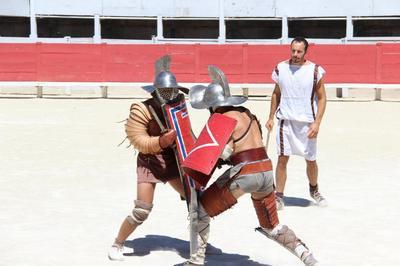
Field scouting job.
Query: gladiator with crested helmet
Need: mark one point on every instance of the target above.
(148, 132)
(250, 170)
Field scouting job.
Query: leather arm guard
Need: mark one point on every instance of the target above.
(136, 130)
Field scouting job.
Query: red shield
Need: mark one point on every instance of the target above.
(177, 118)
(203, 157)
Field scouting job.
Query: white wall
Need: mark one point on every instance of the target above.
(204, 8)
(14, 8)
(249, 8)
(167, 8)
(321, 8)
(68, 7)
(386, 7)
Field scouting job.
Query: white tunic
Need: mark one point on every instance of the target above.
(292, 140)
(296, 85)
(295, 111)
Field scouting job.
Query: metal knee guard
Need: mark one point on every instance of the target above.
(140, 212)
(266, 211)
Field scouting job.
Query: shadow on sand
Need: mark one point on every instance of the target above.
(297, 202)
(215, 256)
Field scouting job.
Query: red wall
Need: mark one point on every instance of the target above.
(242, 63)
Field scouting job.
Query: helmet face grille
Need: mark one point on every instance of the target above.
(168, 94)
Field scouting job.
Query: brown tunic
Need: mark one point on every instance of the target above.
(153, 163)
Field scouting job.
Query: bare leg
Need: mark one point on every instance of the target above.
(145, 192)
(312, 172)
(177, 185)
(281, 173)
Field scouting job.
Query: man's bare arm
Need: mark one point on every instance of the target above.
(321, 95)
(275, 100)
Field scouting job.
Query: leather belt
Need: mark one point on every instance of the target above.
(249, 156)
(256, 167)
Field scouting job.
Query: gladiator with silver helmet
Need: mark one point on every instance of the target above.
(153, 128)
(217, 93)
(251, 169)
(165, 87)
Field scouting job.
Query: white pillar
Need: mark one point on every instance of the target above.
(39, 91)
(104, 91)
(342, 92)
(160, 31)
(222, 28)
(97, 29)
(32, 14)
(285, 30)
(349, 27)
(378, 94)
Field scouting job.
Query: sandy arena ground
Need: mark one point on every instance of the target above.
(65, 187)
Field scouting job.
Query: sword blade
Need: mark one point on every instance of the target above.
(267, 141)
(154, 114)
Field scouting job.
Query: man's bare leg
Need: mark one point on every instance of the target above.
(145, 192)
(143, 205)
(312, 174)
(177, 185)
(281, 176)
(281, 173)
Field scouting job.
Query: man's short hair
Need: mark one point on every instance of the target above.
(300, 39)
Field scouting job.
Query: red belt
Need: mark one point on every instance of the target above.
(257, 167)
(251, 155)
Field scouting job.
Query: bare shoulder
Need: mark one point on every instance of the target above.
(232, 114)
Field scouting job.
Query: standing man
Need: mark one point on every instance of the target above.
(299, 102)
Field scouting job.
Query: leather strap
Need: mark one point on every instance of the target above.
(257, 167)
(315, 79)
(249, 156)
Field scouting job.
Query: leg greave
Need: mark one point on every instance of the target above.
(288, 239)
(215, 200)
(266, 211)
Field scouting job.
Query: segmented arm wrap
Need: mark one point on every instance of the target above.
(136, 130)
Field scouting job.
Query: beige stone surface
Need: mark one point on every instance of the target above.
(65, 187)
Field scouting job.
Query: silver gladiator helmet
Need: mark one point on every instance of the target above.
(164, 86)
(215, 94)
